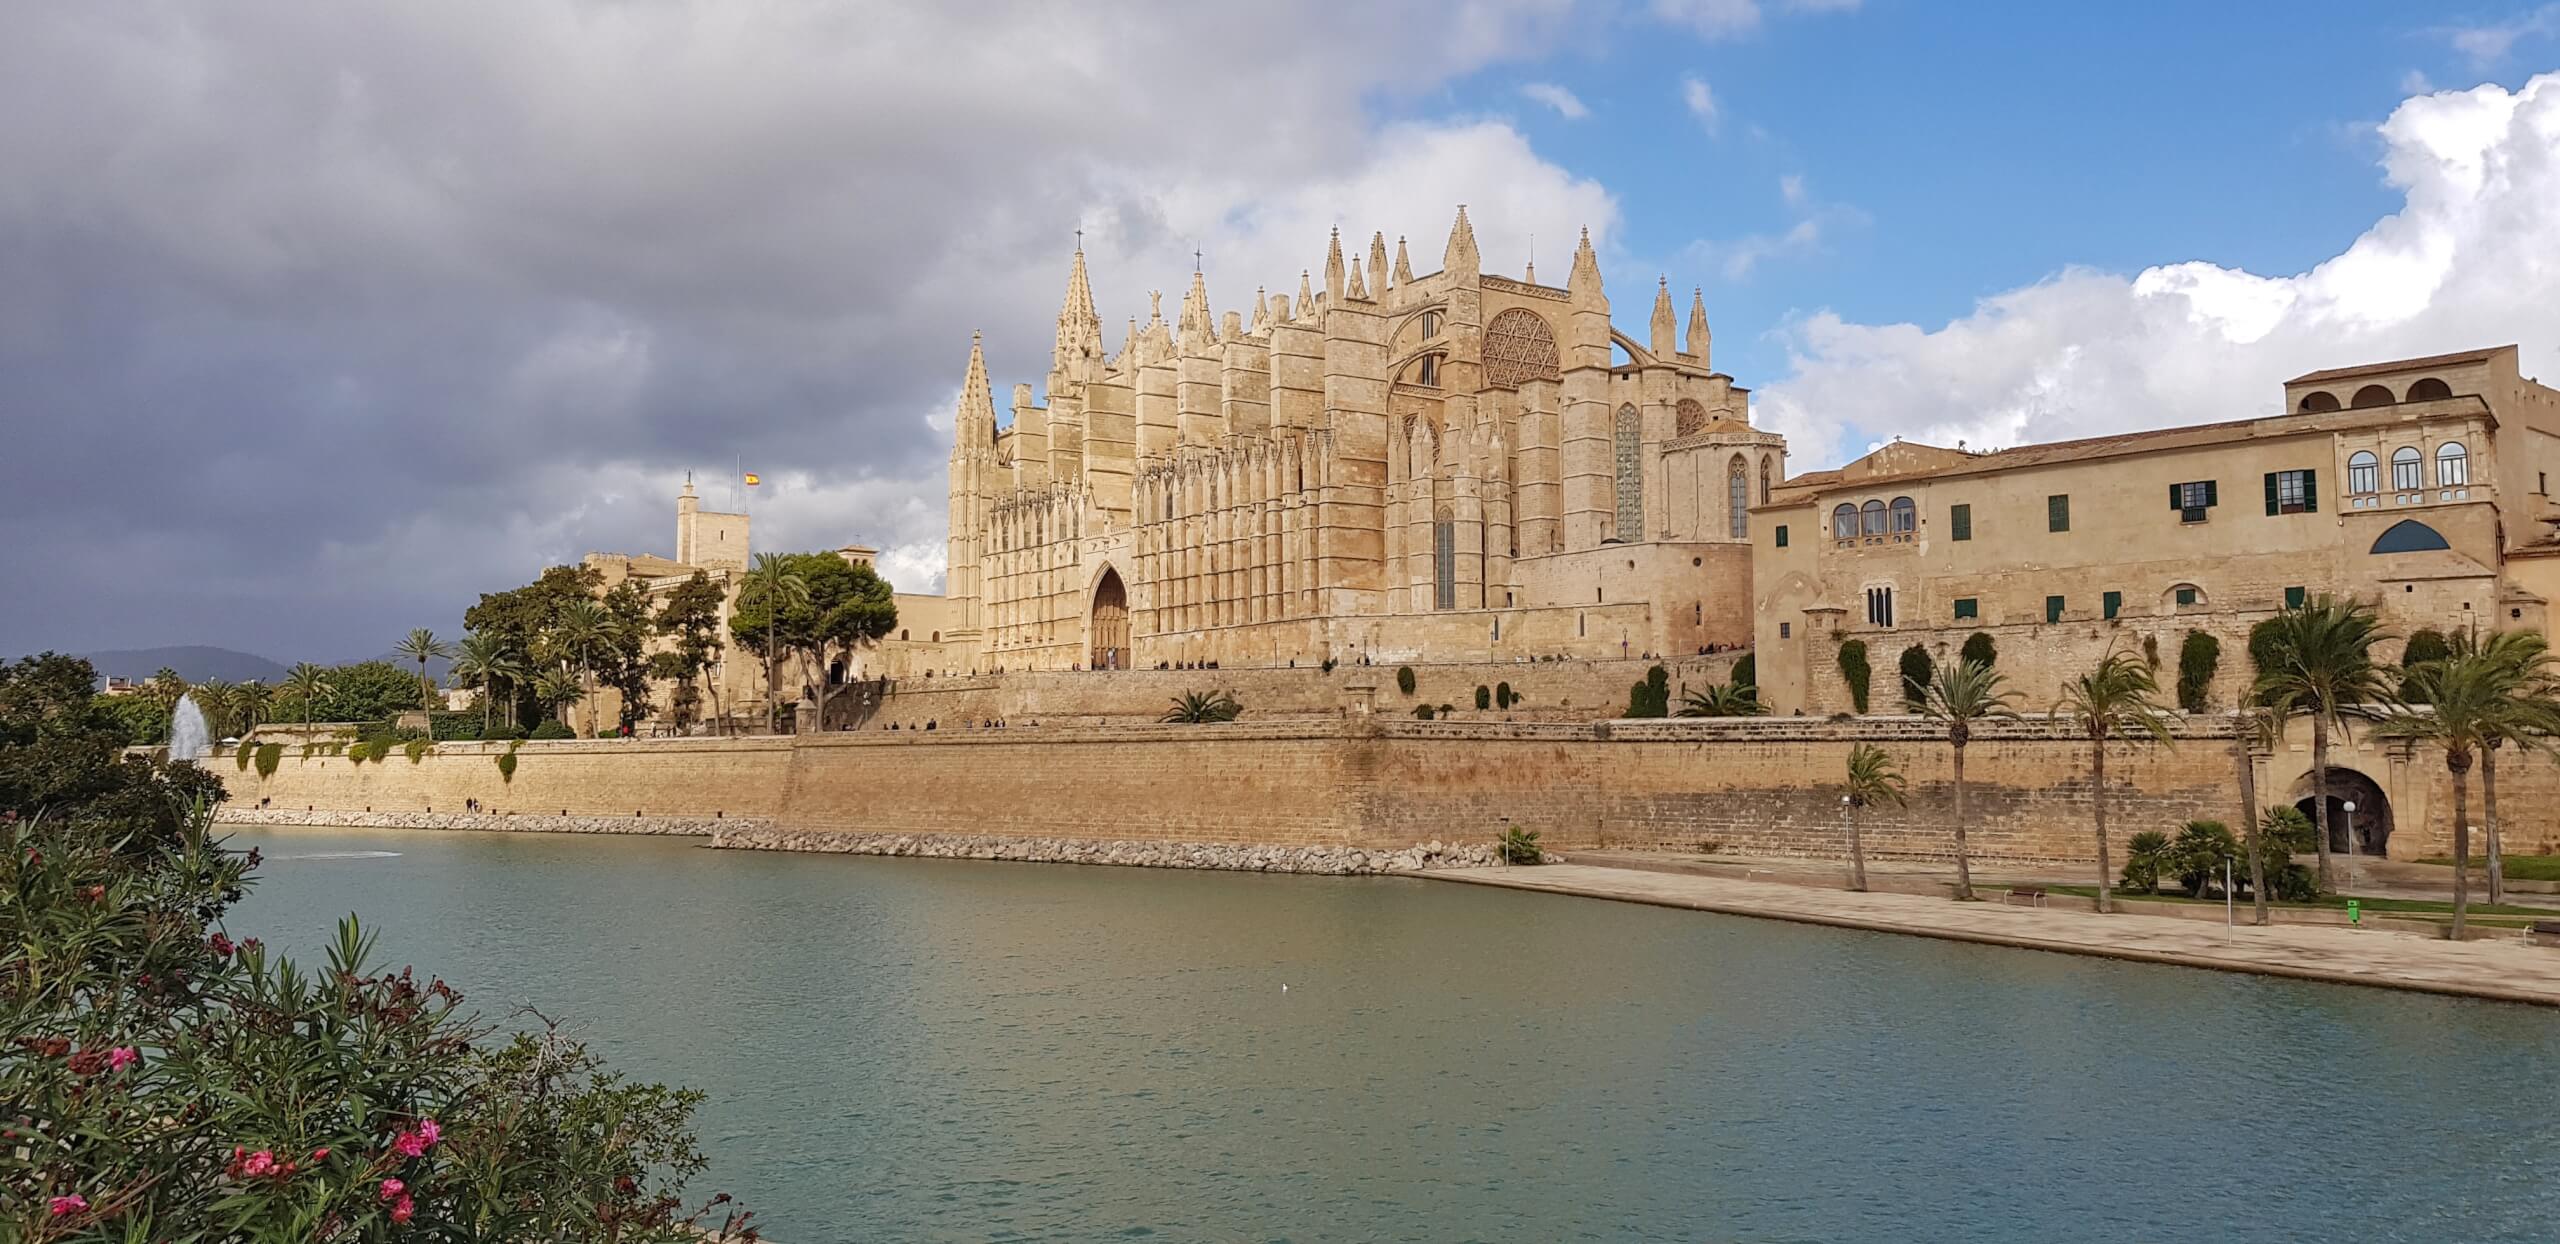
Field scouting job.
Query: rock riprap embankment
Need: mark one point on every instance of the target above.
(513, 822)
(1323, 861)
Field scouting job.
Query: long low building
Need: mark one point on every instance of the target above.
(2422, 484)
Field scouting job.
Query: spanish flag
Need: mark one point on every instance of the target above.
(754, 479)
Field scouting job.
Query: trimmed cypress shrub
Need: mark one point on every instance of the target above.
(1484, 697)
(1917, 671)
(1404, 679)
(1746, 672)
(1979, 648)
(1854, 671)
(2199, 655)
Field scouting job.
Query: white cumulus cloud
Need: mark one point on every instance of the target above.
(1700, 100)
(2472, 258)
(1565, 102)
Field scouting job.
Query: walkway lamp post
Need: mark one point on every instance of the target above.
(1848, 812)
(2350, 806)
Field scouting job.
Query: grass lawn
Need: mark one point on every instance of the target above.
(2518, 867)
(2332, 902)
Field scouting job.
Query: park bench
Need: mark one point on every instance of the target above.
(2543, 933)
(2024, 896)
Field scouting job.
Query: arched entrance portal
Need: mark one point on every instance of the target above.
(2372, 815)
(1109, 627)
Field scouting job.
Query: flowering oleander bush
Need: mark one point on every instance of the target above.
(162, 1080)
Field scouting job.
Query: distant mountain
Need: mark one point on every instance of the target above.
(194, 662)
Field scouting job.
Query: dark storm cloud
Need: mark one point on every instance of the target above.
(318, 319)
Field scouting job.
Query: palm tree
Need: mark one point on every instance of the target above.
(482, 660)
(2117, 699)
(1872, 780)
(422, 646)
(555, 689)
(1959, 696)
(2531, 719)
(2252, 729)
(773, 586)
(308, 683)
(2481, 691)
(213, 696)
(1723, 699)
(580, 635)
(2319, 663)
(163, 689)
(1201, 707)
(250, 701)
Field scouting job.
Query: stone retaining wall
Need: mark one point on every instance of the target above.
(1327, 861)
(680, 826)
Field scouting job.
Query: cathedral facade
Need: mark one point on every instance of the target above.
(1456, 465)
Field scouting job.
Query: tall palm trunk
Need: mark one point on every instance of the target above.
(825, 684)
(772, 675)
(2320, 793)
(488, 692)
(1964, 868)
(2098, 806)
(2489, 823)
(2248, 766)
(1857, 853)
(2459, 765)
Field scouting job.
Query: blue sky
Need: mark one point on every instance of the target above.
(368, 309)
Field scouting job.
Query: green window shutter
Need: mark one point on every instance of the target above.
(1966, 607)
(1960, 522)
(2112, 601)
(2293, 598)
(2311, 491)
(2057, 512)
(2271, 494)
(2212, 494)
(1782, 535)
(2186, 597)
(2052, 608)
(2174, 498)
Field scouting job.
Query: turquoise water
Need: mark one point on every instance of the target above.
(942, 1050)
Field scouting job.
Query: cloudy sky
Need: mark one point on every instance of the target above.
(318, 320)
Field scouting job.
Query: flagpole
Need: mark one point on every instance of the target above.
(738, 481)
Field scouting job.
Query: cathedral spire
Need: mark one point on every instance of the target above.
(1358, 291)
(1698, 337)
(1378, 261)
(1586, 268)
(1404, 268)
(1333, 271)
(1665, 344)
(1079, 329)
(1460, 256)
(1306, 298)
(975, 424)
(1261, 312)
(1199, 327)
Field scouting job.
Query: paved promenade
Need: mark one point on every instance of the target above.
(2505, 969)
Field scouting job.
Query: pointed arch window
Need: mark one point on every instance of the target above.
(1429, 375)
(1737, 499)
(1630, 474)
(1764, 481)
(1444, 560)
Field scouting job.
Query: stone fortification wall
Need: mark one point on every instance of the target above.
(1555, 691)
(1753, 786)
(1229, 857)
(520, 823)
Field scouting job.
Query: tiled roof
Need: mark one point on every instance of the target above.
(2418, 364)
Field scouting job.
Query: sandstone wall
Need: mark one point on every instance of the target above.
(711, 778)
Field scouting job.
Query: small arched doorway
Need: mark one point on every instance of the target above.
(2371, 818)
(1110, 622)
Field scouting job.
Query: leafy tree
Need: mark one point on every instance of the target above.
(138, 721)
(1203, 707)
(624, 665)
(1871, 780)
(62, 755)
(1979, 649)
(1961, 695)
(2117, 699)
(855, 607)
(364, 691)
(1917, 672)
(422, 646)
(773, 588)
(554, 689)
(1723, 699)
(519, 618)
(1854, 671)
(2485, 688)
(2316, 661)
(306, 683)
(2425, 644)
(1746, 672)
(690, 618)
(2199, 655)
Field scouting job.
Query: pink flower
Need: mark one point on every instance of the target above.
(320, 1154)
(64, 1206)
(409, 1145)
(404, 1211)
(392, 1188)
(428, 1130)
(258, 1163)
(121, 1057)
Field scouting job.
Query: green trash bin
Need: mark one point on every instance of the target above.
(2355, 912)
